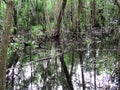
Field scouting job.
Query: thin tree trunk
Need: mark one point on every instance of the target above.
(82, 69)
(94, 26)
(72, 29)
(4, 43)
(93, 14)
(59, 19)
(63, 65)
(58, 45)
(15, 21)
(94, 55)
(80, 4)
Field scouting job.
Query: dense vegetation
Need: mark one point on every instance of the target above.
(59, 44)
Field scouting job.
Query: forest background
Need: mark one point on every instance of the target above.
(59, 44)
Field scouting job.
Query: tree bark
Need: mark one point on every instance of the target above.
(4, 43)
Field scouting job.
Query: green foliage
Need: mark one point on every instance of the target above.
(37, 31)
(40, 6)
(106, 62)
(49, 5)
(68, 58)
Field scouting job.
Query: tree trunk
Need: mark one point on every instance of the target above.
(15, 21)
(80, 4)
(59, 19)
(63, 65)
(93, 14)
(4, 44)
(58, 45)
(95, 25)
